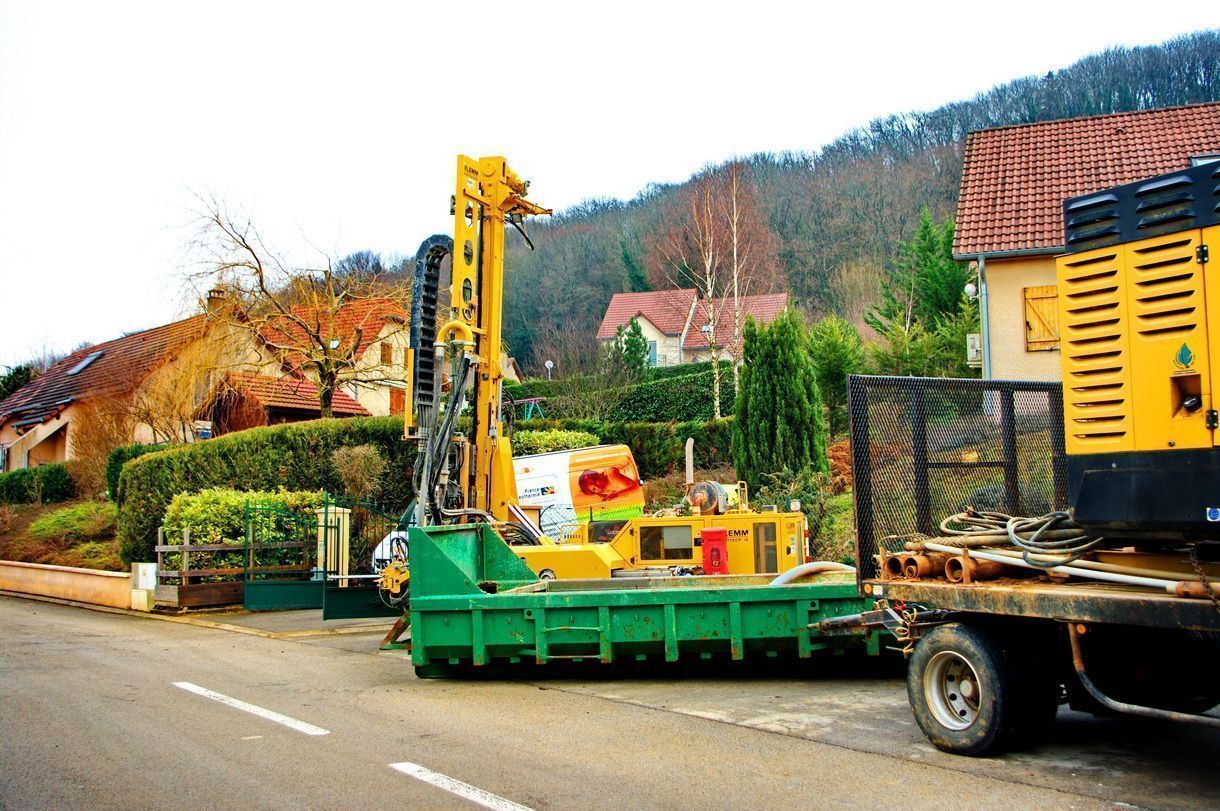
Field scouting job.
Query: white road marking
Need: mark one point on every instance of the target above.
(469, 792)
(270, 715)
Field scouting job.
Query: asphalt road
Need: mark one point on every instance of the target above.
(105, 711)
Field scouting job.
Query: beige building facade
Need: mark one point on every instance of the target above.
(1010, 213)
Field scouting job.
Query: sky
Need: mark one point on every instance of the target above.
(334, 126)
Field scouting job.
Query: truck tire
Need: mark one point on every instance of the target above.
(960, 687)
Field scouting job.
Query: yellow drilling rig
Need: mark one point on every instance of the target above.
(465, 474)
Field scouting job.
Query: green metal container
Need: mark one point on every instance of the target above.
(473, 602)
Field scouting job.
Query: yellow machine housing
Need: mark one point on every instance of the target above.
(1139, 314)
(757, 542)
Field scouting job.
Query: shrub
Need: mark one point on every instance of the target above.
(119, 457)
(218, 515)
(359, 468)
(101, 425)
(89, 520)
(781, 422)
(555, 439)
(16, 487)
(45, 484)
(837, 352)
(828, 539)
(296, 456)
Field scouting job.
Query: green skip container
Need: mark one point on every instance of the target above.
(475, 604)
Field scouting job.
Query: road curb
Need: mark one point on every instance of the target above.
(199, 622)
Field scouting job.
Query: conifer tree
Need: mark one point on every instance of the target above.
(779, 420)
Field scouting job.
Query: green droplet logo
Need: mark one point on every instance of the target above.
(1184, 358)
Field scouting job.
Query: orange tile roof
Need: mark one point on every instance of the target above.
(293, 394)
(121, 366)
(369, 316)
(667, 310)
(1015, 179)
(763, 309)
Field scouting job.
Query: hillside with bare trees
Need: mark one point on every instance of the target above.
(824, 224)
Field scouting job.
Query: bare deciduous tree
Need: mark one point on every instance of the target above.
(319, 321)
(691, 250)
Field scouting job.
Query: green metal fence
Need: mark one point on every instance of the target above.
(323, 558)
(281, 569)
(353, 545)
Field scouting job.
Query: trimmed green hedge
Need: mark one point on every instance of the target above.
(296, 456)
(530, 442)
(658, 447)
(686, 397)
(553, 388)
(119, 457)
(46, 484)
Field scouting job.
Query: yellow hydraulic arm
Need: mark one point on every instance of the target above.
(469, 476)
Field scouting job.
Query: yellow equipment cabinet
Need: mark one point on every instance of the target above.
(1139, 309)
(757, 542)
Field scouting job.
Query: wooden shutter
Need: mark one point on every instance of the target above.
(398, 401)
(387, 353)
(1041, 318)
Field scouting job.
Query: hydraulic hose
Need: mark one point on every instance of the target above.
(1053, 535)
(811, 568)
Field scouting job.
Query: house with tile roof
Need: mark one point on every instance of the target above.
(203, 376)
(677, 323)
(1010, 221)
(243, 400)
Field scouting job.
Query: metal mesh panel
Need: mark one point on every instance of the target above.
(926, 448)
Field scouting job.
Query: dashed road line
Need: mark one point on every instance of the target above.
(270, 715)
(465, 790)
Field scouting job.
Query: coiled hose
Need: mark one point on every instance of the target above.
(1054, 533)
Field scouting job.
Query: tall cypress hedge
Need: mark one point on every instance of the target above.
(780, 422)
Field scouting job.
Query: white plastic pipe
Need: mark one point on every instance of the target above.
(807, 569)
(1105, 567)
(1112, 577)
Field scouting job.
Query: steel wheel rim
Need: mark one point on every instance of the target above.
(951, 687)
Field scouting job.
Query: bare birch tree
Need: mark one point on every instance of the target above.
(690, 252)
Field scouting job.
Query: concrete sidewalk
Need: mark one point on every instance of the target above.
(302, 622)
(270, 624)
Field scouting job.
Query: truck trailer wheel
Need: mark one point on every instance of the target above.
(960, 688)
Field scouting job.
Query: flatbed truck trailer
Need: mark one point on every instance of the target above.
(991, 662)
(1112, 475)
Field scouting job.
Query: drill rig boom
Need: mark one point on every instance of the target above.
(465, 476)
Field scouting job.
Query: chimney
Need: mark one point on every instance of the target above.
(216, 299)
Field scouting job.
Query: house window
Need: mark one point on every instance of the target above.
(1041, 318)
(80, 367)
(652, 353)
(387, 353)
(398, 401)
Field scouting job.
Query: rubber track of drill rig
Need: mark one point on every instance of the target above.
(425, 292)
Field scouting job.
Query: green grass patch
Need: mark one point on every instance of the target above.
(89, 520)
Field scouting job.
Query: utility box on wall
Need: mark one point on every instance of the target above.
(974, 350)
